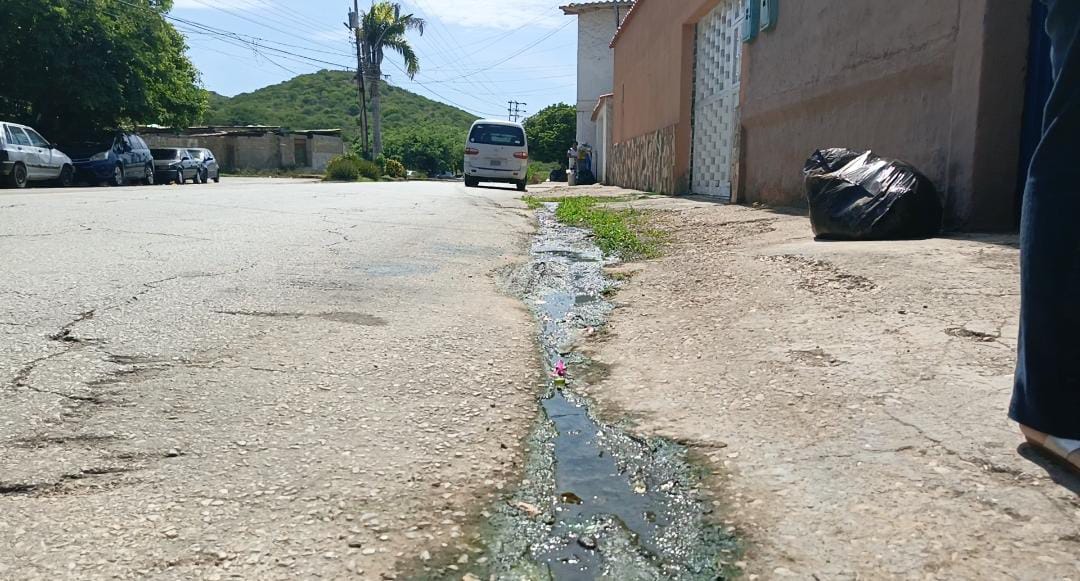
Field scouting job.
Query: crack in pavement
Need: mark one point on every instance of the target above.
(46, 234)
(351, 318)
(140, 233)
(64, 334)
(151, 286)
(22, 376)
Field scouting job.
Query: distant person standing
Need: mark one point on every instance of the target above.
(1046, 398)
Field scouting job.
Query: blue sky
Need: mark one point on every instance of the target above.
(475, 54)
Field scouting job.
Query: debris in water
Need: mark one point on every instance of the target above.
(570, 498)
(560, 368)
(529, 509)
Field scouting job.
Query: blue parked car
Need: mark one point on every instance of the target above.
(115, 159)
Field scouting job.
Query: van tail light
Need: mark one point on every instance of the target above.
(471, 151)
(521, 155)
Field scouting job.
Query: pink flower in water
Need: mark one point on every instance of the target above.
(560, 369)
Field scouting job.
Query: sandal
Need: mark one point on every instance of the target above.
(1063, 450)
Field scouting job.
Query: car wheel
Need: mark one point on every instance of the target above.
(67, 177)
(149, 180)
(217, 179)
(19, 178)
(117, 177)
(180, 179)
(471, 183)
(521, 186)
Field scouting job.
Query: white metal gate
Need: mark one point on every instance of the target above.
(718, 58)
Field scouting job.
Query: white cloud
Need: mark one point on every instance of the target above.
(497, 14)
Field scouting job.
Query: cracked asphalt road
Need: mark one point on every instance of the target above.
(258, 379)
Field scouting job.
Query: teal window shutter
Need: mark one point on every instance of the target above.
(769, 10)
(751, 19)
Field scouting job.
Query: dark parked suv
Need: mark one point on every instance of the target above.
(115, 159)
(208, 166)
(173, 164)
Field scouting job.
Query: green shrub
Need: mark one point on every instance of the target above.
(395, 168)
(343, 168)
(368, 169)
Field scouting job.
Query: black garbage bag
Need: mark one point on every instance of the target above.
(857, 196)
(585, 177)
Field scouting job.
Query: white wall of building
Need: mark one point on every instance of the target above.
(596, 64)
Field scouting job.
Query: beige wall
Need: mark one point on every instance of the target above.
(938, 83)
(323, 149)
(258, 152)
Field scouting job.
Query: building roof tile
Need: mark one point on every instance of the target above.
(626, 22)
(579, 7)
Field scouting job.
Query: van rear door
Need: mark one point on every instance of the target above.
(499, 147)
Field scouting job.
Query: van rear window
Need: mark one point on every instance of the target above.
(497, 135)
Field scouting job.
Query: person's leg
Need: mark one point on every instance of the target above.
(1046, 398)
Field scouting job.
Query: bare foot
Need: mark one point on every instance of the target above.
(1064, 450)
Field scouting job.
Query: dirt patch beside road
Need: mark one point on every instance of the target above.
(851, 397)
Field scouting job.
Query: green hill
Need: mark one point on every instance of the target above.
(328, 99)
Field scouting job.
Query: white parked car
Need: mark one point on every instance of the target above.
(496, 151)
(26, 156)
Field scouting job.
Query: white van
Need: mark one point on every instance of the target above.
(496, 151)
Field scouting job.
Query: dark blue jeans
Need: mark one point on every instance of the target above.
(1047, 392)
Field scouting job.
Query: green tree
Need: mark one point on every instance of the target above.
(551, 133)
(384, 27)
(72, 67)
(432, 149)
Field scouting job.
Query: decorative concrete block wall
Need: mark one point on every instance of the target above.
(645, 163)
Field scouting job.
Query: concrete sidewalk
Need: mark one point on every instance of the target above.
(851, 396)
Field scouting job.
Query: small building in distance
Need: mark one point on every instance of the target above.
(254, 147)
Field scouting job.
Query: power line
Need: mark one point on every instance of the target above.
(291, 13)
(454, 59)
(448, 101)
(496, 38)
(518, 53)
(257, 23)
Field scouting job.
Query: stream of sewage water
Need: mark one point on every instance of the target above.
(596, 502)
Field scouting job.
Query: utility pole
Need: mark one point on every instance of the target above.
(515, 111)
(354, 24)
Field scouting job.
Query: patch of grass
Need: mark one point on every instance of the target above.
(535, 202)
(624, 232)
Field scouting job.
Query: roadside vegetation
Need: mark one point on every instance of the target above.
(551, 133)
(539, 171)
(351, 168)
(625, 232)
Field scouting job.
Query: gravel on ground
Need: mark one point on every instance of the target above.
(850, 398)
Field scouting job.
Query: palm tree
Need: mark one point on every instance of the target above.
(384, 27)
